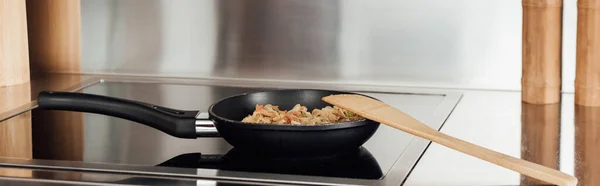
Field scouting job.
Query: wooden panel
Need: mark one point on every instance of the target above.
(14, 59)
(54, 36)
(542, 27)
(55, 31)
(15, 133)
(540, 141)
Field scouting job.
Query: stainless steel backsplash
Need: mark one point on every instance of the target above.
(439, 43)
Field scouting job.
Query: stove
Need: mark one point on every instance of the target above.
(96, 141)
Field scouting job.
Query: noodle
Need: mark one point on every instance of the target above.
(270, 114)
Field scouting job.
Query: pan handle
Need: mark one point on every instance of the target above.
(174, 122)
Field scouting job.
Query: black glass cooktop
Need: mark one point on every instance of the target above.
(358, 163)
(63, 135)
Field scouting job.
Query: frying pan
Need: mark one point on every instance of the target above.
(223, 119)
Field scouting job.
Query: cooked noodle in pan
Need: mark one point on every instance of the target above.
(270, 114)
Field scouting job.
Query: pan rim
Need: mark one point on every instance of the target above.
(262, 126)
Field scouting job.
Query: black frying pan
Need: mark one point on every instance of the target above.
(224, 120)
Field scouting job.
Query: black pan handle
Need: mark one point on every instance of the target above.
(174, 122)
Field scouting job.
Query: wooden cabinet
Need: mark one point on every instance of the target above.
(38, 36)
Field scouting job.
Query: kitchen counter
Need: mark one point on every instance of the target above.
(545, 134)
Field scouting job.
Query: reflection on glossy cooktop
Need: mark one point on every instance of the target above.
(358, 163)
(62, 135)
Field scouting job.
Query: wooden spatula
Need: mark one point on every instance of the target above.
(388, 115)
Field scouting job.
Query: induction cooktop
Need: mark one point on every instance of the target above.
(386, 159)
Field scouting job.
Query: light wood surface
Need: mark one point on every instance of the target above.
(55, 35)
(14, 59)
(541, 51)
(540, 137)
(587, 138)
(15, 133)
(587, 70)
(388, 115)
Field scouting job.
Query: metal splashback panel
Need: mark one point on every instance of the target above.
(123, 146)
(440, 43)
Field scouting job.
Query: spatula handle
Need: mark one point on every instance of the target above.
(524, 167)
